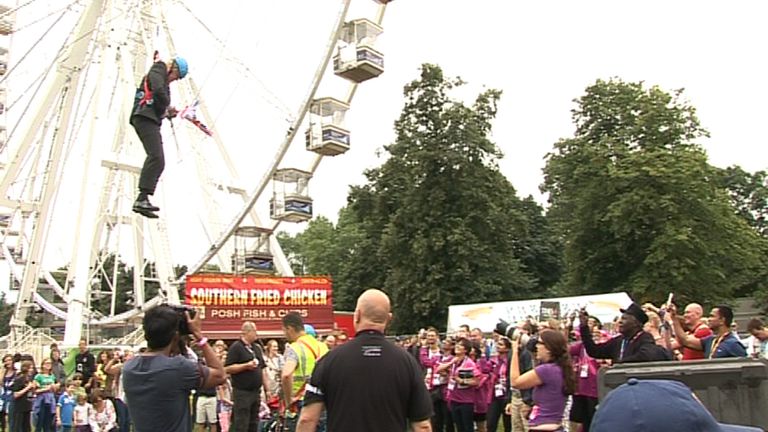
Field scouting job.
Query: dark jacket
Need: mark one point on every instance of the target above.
(526, 363)
(60, 374)
(157, 81)
(641, 348)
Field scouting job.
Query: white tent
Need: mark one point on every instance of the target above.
(485, 315)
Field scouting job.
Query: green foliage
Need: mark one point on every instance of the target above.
(437, 223)
(292, 250)
(749, 195)
(6, 313)
(453, 221)
(637, 202)
(113, 274)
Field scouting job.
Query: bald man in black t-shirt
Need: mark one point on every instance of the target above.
(368, 384)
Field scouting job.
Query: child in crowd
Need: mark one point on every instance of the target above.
(224, 394)
(82, 414)
(65, 409)
(77, 382)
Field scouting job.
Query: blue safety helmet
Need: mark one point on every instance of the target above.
(310, 330)
(183, 66)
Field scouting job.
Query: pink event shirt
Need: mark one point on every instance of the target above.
(586, 369)
(462, 393)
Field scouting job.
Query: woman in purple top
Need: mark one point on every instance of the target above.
(463, 377)
(552, 380)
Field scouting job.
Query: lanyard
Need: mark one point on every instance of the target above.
(432, 354)
(503, 371)
(715, 345)
(457, 367)
(625, 343)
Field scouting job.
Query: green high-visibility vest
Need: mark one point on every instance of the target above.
(308, 350)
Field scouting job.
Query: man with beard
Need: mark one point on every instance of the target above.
(633, 345)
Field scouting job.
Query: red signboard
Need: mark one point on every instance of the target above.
(226, 301)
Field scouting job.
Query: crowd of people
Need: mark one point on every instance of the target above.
(44, 395)
(525, 376)
(41, 396)
(543, 376)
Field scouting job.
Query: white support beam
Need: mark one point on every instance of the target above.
(64, 91)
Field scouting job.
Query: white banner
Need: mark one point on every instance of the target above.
(485, 315)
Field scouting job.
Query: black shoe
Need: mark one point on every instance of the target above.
(144, 205)
(146, 213)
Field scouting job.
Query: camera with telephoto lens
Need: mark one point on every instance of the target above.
(504, 328)
(532, 342)
(180, 310)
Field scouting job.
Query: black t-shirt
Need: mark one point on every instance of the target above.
(85, 363)
(241, 353)
(24, 403)
(369, 384)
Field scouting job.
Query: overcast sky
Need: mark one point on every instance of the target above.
(542, 55)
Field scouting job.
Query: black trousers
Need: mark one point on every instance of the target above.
(496, 411)
(442, 419)
(20, 420)
(245, 412)
(149, 133)
(463, 416)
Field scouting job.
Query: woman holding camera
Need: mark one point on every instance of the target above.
(552, 380)
(463, 377)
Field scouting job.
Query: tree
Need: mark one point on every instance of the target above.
(292, 250)
(749, 195)
(539, 247)
(113, 274)
(317, 246)
(637, 202)
(440, 223)
(325, 249)
(6, 313)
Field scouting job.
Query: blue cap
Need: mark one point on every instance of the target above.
(656, 405)
(310, 330)
(183, 66)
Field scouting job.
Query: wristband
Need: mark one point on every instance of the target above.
(202, 342)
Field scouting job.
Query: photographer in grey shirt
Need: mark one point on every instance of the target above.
(157, 383)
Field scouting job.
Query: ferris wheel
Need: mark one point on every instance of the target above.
(69, 163)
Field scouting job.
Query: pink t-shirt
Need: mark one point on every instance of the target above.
(462, 393)
(484, 390)
(586, 369)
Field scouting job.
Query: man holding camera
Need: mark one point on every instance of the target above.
(245, 363)
(157, 383)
